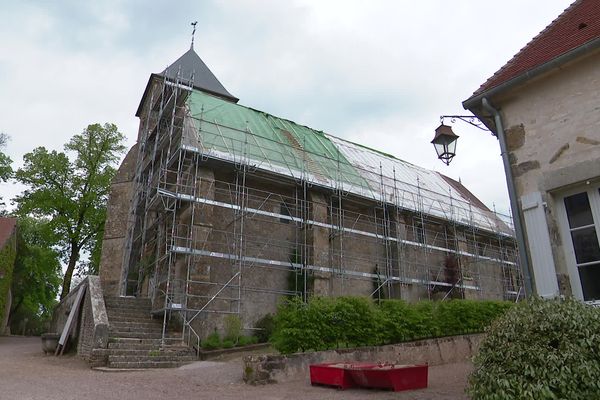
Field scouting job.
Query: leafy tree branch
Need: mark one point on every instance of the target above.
(71, 193)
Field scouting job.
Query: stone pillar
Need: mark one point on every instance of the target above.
(199, 233)
(115, 228)
(397, 230)
(465, 268)
(318, 239)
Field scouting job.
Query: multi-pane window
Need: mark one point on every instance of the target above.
(582, 210)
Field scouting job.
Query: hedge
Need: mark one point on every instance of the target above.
(329, 323)
(540, 349)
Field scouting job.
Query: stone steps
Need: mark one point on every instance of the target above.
(135, 325)
(170, 340)
(135, 338)
(178, 351)
(127, 358)
(129, 302)
(136, 328)
(132, 319)
(147, 364)
(145, 345)
(127, 313)
(136, 335)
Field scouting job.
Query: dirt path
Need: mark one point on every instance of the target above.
(27, 374)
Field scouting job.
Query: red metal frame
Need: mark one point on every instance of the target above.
(372, 375)
(331, 374)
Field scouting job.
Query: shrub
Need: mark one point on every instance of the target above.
(400, 321)
(289, 333)
(423, 321)
(213, 341)
(233, 328)
(227, 344)
(246, 340)
(265, 327)
(355, 322)
(540, 349)
(327, 323)
(456, 317)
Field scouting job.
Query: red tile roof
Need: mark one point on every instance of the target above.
(577, 25)
(7, 228)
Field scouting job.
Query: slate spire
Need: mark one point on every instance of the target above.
(189, 68)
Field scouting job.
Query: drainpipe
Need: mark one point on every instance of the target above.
(512, 194)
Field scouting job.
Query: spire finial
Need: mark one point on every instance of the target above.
(193, 33)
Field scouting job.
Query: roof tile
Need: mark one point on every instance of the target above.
(577, 25)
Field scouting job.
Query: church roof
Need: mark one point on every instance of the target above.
(191, 69)
(234, 133)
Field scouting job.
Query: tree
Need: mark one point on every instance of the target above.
(36, 275)
(71, 194)
(5, 162)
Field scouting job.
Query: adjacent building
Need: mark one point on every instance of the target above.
(547, 97)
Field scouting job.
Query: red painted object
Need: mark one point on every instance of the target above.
(389, 376)
(382, 375)
(331, 374)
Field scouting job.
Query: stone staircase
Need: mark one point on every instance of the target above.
(135, 337)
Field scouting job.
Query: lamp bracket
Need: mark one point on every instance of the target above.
(469, 119)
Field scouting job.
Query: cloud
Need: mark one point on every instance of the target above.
(379, 72)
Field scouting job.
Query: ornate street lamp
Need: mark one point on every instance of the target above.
(444, 140)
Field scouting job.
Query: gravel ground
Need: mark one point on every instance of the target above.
(27, 374)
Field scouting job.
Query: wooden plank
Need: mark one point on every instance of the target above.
(70, 320)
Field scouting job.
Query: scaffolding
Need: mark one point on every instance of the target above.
(226, 219)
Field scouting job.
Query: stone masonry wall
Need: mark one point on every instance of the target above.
(93, 329)
(90, 328)
(553, 137)
(271, 368)
(61, 314)
(115, 229)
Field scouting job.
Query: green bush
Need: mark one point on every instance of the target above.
(540, 349)
(265, 327)
(401, 321)
(227, 344)
(293, 329)
(233, 328)
(213, 341)
(456, 317)
(355, 322)
(327, 323)
(246, 340)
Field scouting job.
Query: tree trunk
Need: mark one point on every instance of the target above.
(73, 257)
(14, 308)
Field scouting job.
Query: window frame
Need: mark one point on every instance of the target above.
(593, 192)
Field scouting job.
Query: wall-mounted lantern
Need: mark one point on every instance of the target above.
(444, 142)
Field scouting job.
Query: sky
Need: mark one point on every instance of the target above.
(380, 73)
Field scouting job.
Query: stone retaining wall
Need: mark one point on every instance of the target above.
(61, 314)
(90, 329)
(271, 368)
(93, 331)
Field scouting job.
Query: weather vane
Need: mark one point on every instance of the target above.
(193, 33)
